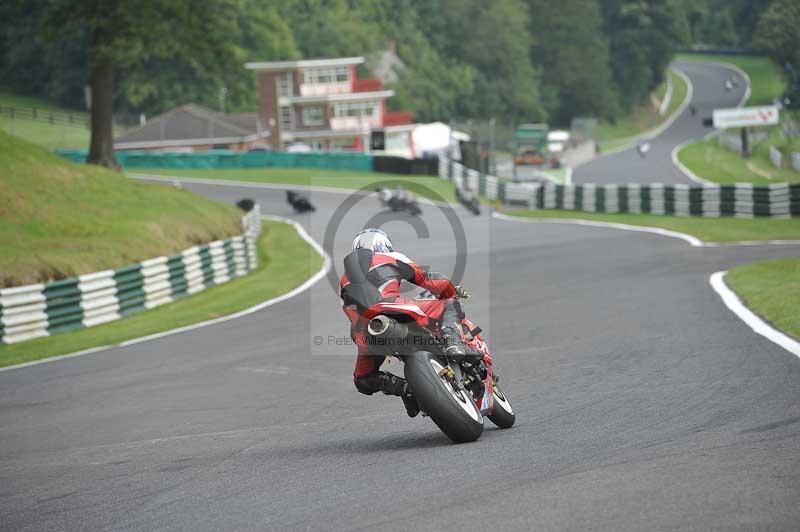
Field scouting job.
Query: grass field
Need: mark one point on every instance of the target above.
(58, 219)
(41, 132)
(771, 289)
(641, 119)
(285, 261)
(429, 187)
(706, 229)
(716, 163)
(766, 78)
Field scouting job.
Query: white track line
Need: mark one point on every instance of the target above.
(692, 240)
(653, 133)
(674, 154)
(273, 186)
(308, 283)
(244, 184)
(732, 301)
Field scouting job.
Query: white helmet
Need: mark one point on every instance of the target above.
(373, 239)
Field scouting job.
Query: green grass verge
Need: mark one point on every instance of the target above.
(426, 186)
(285, 261)
(58, 219)
(559, 174)
(766, 78)
(16, 100)
(709, 160)
(641, 119)
(706, 229)
(51, 136)
(771, 289)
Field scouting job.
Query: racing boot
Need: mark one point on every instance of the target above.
(451, 331)
(453, 344)
(391, 384)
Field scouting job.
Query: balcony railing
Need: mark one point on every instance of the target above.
(360, 123)
(322, 89)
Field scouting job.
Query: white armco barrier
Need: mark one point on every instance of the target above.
(33, 311)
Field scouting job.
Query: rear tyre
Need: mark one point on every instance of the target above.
(502, 414)
(451, 408)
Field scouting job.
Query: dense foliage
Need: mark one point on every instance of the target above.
(522, 60)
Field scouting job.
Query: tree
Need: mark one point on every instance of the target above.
(572, 52)
(331, 28)
(38, 64)
(178, 76)
(778, 32)
(431, 86)
(125, 35)
(493, 39)
(643, 37)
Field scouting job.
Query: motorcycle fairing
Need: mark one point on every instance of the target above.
(408, 309)
(476, 342)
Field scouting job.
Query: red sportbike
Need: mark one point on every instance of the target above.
(455, 392)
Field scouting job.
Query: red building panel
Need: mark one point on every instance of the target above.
(366, 85)
(398, 118)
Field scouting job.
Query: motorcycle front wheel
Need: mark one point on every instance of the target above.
(448, 405)
(502, 414)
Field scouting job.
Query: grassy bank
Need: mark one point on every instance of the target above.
(706, 229)
(429, 187)
(285, 261)
(709, 160)
(58, 219)
(51, 136)
(771, 289)
(642, 118)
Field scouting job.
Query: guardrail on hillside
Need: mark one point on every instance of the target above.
(741, 200)
(33, 311)
(53, 117)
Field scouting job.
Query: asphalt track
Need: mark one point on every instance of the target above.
(708, 81)
(642, 403)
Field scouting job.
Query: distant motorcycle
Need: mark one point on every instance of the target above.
(299, 203)
(469, 200)
(399, 200)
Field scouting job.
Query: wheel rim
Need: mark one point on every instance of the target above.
(501, 399)
(461, 397)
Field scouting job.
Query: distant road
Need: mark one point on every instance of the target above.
(627, 166)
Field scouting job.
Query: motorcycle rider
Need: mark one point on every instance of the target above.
(373, 273)
(384, 194)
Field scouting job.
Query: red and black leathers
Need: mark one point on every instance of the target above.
(372, 277)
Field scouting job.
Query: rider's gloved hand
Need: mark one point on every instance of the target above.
(461, 293)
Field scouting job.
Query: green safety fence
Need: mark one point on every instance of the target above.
(231, 159)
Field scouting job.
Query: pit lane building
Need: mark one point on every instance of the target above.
(322, 103)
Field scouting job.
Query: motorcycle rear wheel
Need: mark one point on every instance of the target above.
(451, 408)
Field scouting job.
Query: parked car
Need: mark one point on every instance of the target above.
(528, 157)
